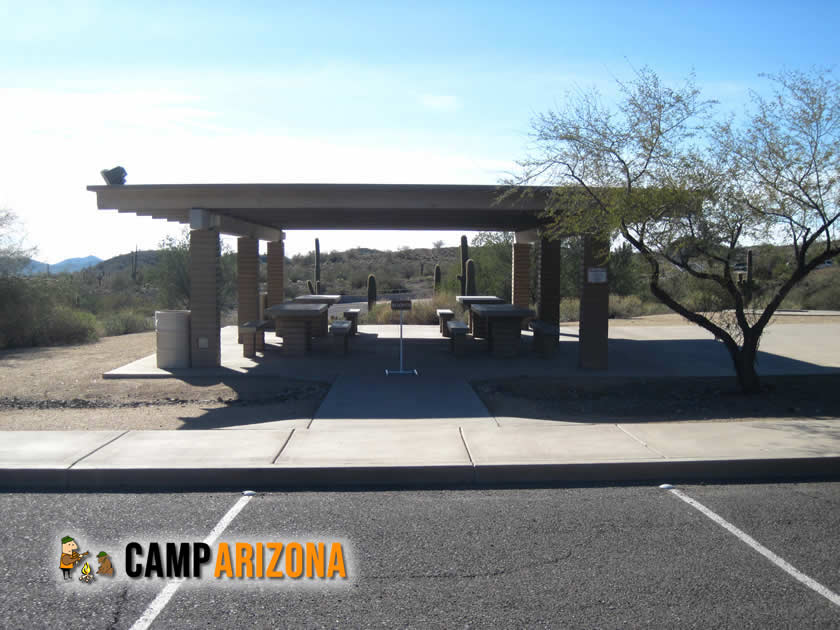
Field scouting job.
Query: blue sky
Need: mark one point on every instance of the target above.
(342, 92)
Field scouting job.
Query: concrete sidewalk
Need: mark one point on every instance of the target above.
(634, 351)
(389, 452)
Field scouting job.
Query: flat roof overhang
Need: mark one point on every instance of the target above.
(260, 209)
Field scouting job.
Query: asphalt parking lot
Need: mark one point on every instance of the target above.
(572, 557)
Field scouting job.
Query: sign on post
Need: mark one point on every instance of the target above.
(401, 305)
(596, 275)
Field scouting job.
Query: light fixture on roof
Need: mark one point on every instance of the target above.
(114, 176)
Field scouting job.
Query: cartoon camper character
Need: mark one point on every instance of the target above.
(105, 566)
(70, 557)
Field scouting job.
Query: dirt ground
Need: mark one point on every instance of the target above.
(672, 319)
(62, 388)
(651, 400)
(655, 400)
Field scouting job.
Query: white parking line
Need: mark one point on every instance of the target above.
(831, 596)
(168, 591)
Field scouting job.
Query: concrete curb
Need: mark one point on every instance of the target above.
(293, 478)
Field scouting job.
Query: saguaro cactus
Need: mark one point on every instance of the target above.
(311, 287)
(317, 267)
(371, 291)
(437, 279)
(465, 254)
(470, 277)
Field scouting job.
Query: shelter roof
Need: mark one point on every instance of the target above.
(268, 207)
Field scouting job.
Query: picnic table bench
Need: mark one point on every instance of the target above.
(252, 335)
(342, 328)
(478, 328)
(352, 315)
(457, 336)
(297, 321)
(504, 326)
(444, 315)
(329, 300)
(546, 337)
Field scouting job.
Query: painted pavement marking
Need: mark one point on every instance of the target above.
(162, 599)
(788, 568)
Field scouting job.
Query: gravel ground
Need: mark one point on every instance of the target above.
(61, 388)
(665, 399)
(672, 319)
(578, 399)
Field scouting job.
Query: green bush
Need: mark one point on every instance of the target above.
(825, 298)
(65, 325)
(569, 309)
(34, 312)
(625, 306)
(126, 322)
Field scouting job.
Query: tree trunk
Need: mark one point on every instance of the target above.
(744, 359)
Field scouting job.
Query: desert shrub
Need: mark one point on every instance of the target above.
(24, 303)
(37, 312)
(66, 325)
(569, 309)
(422, 311)
(824, 298)
(819, 291)
(126, 322)
(625, 306)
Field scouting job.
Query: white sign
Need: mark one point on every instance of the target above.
(596, 275)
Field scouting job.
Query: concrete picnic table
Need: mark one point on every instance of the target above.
(296, 323)
(504, 326)
(477, 328)
(319, 298)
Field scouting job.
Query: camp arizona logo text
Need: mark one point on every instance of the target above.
(237, 560)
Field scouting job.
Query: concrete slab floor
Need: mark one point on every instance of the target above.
(633, 351)
(400, 396)
(397, 424)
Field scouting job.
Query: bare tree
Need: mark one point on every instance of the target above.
(14, 254)
(689, 193)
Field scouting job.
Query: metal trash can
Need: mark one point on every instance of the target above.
(173, 339)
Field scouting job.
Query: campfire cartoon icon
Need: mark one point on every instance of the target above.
(87, 574)
(70, 556)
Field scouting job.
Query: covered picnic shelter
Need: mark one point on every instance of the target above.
(255, 212)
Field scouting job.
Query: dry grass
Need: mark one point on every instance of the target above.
(423, 311)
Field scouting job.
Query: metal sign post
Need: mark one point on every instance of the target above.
(401, 305)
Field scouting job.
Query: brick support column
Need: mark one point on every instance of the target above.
(276, 292)
(548, 276)
(274, 271)
(205, 283)
(521, 276)
(594, 305)
(247, 269)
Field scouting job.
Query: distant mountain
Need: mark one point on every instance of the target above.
(65, 266)
(123, 262)
(34, 267)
